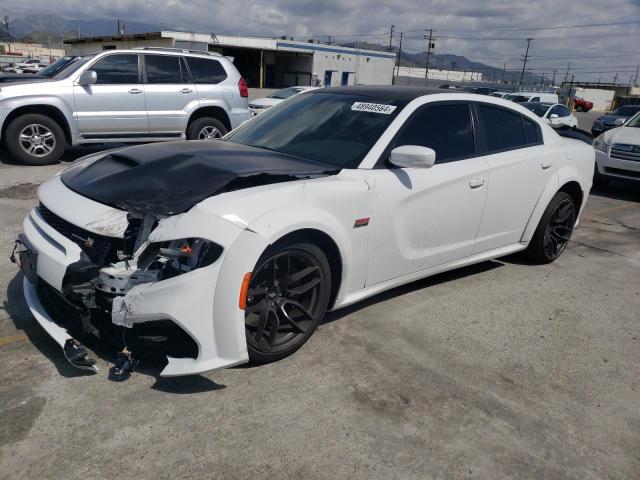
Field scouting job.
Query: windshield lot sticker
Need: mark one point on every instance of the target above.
(372, 108)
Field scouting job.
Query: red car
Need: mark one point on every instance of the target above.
(582, 105)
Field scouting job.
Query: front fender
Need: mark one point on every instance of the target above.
(279, 223)
(12, 103)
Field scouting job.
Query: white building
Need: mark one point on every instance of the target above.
(437, 74)
(29, 50)
(264, 62)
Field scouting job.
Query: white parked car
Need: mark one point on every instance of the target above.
(521, 97)
(618, 152)
(555, 114)
(499, 94)
(240, 246)
(260, 105)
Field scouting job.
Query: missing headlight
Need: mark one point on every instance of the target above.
(176, 257)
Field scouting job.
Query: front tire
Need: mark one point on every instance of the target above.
(35, 139)
(554, 230)
(206, 128)
(579, 108)
(287, 297)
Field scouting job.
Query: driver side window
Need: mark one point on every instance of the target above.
(447, 129)
(121, 69)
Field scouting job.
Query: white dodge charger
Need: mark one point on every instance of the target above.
(238, 247)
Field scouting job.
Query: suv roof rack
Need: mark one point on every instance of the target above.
(182, 50)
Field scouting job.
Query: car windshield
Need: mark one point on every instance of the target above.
(55, 67)
(634, 122)
(627, 111)
(538, 108)
(517, 98)
(286, 93)
(70, 67)
(329, 127)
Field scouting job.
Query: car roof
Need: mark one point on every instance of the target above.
(389, 92)
(542, 104)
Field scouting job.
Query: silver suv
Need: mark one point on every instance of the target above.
(137, 95)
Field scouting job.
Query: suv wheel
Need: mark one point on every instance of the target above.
(206, 128)
(35, 139)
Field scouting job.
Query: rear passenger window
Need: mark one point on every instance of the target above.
(531, 132)
(503, 129)
(205, 70)
(447, 129)
(164, 69)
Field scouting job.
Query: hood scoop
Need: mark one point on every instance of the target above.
(169, 178)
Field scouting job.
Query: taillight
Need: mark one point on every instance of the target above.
(242, 85)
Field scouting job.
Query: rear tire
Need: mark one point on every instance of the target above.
(206, 128)
(35, 139)
(287, 298)
(554, 230)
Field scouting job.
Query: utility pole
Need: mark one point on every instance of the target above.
(430, 45)
(504, 69)
(553, 81)
(399, 55)
(570, 95)
(329, 39)
(542, 82)
(566, 75)
(635, 81)
(526, 57)
(391, 36)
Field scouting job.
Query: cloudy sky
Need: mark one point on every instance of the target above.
(487, 31)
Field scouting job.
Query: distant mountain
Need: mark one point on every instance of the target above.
(445, 61)
(25, 26)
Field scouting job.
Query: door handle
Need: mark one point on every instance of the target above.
(476, 182)
(545, 164)
(135, 91)
(186, 90)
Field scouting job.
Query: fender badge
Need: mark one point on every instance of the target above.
(361, 222)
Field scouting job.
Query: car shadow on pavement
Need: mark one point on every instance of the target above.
(16, 308)
(412, 287)
(626, 191)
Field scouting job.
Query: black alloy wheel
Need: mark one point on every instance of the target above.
(554, 230)
(286, 299)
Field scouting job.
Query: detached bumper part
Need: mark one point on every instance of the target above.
(72, 349)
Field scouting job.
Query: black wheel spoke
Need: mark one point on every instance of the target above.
(305, 287)
(256, 307)
(291, 321)
(296, 277)
(274, 325)
(262, 323)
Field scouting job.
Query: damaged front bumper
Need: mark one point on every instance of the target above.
(203, 302)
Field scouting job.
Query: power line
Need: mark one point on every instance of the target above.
(530, 29)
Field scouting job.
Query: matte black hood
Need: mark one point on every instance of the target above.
(170, 178)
